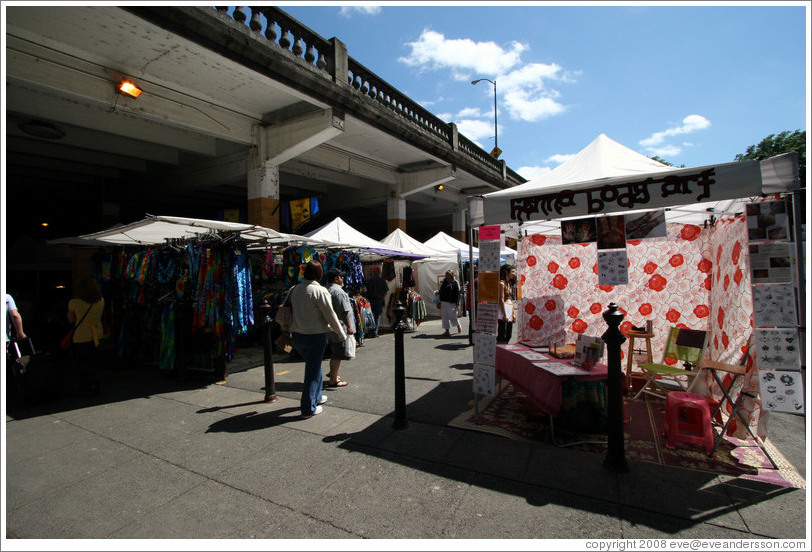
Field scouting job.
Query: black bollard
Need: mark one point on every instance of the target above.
(400, 369)
(267, 344)
(614, 338)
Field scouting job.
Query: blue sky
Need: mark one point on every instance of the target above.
(692, 82)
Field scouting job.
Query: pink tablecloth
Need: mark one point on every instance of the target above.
(542, 387)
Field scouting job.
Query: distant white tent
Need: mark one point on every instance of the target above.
(400, 239)
(444, 242)
(339, 234)
(429, 270)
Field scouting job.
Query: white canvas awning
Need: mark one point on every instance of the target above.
(155, 230)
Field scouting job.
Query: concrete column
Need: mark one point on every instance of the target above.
(263, 194)
(395, 213)
(458, 225)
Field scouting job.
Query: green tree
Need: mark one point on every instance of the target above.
(664, 162)
(776, 144)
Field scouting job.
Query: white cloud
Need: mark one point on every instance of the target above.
(523, 89)
(690, 124)
(666, 150)
(347, 11)
(656, 144)
(559, 158)
(472, 112)
(475, 130)
(532, 172)
(432, 50)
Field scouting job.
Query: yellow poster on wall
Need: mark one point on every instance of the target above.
(488, 287)
(299, 211)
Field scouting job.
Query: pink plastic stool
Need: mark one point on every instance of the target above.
(688, 420)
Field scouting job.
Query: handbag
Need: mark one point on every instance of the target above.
(284, 314)
(284, 342)
(67, 341)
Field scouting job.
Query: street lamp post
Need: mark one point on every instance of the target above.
(495, 133)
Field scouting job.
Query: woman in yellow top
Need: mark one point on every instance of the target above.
(85, 313)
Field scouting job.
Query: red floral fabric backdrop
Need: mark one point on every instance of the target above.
(731, 322)
(696, 278)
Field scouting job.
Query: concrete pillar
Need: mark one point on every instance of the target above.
(263, 194)
(395, 213)
(458, 229)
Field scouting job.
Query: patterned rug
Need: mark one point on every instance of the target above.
(510, 414)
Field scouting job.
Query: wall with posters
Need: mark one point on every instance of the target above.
(696, 277)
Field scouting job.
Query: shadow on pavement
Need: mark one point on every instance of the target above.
(669, 500)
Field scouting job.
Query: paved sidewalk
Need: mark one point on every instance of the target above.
(156, 458)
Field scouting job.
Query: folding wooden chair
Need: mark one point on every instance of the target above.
(684, 346)
(735, 404)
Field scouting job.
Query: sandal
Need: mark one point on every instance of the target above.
(339, 383)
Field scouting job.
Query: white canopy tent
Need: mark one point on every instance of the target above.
(401, 240)
(607, 177)
(154, 230)
(339, 234)
(427, 270)
(444, 242)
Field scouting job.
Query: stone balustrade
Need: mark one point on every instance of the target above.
(330, 56)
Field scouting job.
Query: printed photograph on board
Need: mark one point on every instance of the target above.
(650, 224)
(767, 221)
(578, 231)
(611, 232)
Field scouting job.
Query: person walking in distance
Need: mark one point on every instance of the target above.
(312, 319)
(377, 288)
(507, 311)
(449, 298)
(343, 309)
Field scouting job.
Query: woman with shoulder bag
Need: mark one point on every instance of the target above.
(313, 319)
(85, 313)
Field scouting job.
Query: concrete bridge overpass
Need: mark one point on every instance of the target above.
(240, 110)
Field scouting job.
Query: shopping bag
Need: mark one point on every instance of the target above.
(349, 347)
(67, 340)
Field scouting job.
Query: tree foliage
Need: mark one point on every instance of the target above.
(664, 162)
(776, 144)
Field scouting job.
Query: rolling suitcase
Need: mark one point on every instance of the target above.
(35, 377)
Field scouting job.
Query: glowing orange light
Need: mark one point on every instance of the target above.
(129, 89)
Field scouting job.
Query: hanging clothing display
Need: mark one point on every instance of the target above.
(148, 287)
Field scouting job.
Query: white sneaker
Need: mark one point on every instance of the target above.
(317, 411)
(322, 400)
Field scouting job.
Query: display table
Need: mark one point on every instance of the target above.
(522, 366)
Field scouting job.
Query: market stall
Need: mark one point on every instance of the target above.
(179, 291)
(687, 265)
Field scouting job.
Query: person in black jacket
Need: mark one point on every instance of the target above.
(449, 298)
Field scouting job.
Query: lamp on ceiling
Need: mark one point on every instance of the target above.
(129, 89)
(42, 129)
